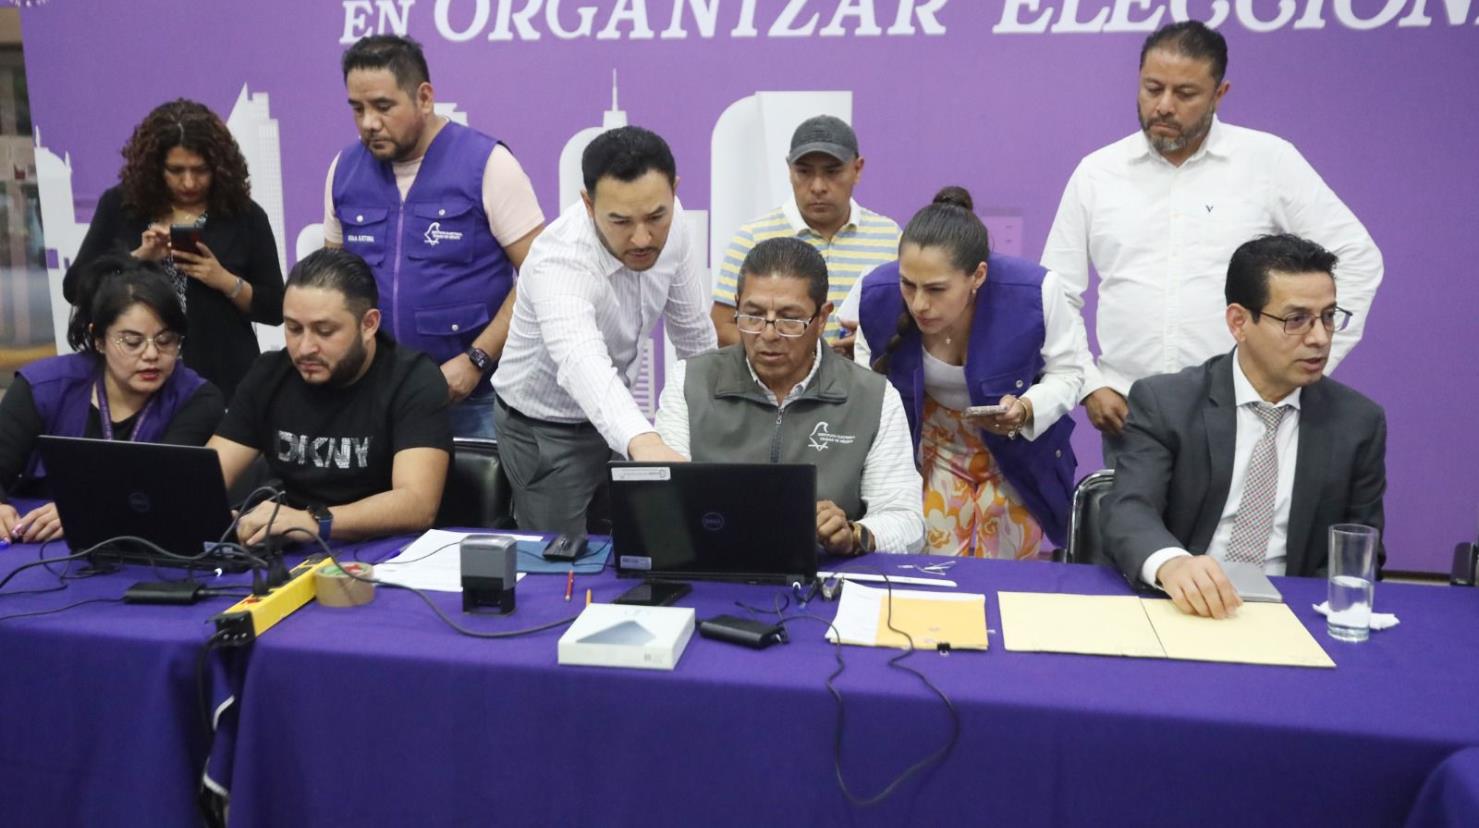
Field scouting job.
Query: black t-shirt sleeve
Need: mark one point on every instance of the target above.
(245, 417)
(418, 413)
(196, 420)
(20, 425)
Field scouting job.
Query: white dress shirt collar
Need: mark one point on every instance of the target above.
(1244, 393)
(816, 364)
(1215, 144)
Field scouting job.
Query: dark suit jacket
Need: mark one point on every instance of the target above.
(1172, 477)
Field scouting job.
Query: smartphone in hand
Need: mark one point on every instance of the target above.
(184, 238)
(986, 410)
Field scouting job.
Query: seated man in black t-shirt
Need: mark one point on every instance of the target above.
(353, 425)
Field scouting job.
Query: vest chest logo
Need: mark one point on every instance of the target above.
(365, 238)
(822, 437)
(435, 235)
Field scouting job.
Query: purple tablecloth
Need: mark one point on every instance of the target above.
(380, 715)
(99, 719)
(1450, 797)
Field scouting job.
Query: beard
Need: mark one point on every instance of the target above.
(348, 368)
(1189, 136)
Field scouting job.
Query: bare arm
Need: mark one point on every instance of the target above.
(417, 477)
(235, 457)
(723, 316)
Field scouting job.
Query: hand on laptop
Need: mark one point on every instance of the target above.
(834, 533)
(39, 525)
(252, 528)
(1198, 586)
(647, 447)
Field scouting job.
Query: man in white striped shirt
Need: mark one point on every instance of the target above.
(590, 292)
(780, 396)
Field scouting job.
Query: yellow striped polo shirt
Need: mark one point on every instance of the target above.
(865, 242)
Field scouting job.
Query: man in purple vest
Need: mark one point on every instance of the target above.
(443, 214)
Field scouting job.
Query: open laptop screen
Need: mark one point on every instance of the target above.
(171, 495)
(723, 521)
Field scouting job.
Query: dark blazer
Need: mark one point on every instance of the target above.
(1171, 480)
(220, 344)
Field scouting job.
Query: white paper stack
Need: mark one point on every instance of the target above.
(617, 635)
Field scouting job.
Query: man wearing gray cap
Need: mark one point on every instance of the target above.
(825, 167)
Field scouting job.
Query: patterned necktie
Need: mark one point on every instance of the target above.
(1255, 520)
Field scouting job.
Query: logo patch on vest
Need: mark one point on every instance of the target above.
(822, 437)
(366, 238)
(435, 235)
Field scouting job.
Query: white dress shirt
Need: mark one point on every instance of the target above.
(1160, 237)
(1286, 447)
(891, 486)
(581, 316)
(1064, 352)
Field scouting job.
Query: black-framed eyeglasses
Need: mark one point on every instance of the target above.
(1295, 324)
(166, 342)
(785, 326)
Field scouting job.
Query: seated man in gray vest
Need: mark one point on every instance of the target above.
(780, 397)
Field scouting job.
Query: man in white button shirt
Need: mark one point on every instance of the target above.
(1157, 214)
(1252, 455)
(592, 289)
(781, 397)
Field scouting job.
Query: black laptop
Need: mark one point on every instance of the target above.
(173, 496)
(715, 521)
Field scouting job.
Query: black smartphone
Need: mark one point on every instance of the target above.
(184, 238)
(654, 593)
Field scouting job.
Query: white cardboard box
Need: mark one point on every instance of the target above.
(617, 635)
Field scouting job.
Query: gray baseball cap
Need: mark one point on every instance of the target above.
(826, 134)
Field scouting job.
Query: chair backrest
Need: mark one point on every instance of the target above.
(1085, 538)
(477, 494)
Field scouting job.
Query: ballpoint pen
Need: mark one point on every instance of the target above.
(569, 584)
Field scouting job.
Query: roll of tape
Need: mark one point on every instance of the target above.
(333, 588)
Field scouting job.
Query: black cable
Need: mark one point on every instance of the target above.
(40, 562)
(329, 553)
(202, 695)
(782, 602)
(422, 557)
(34, 613)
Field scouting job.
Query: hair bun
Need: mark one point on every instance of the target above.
(958, 196)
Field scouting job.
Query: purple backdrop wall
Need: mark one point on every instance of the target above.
(1386, 113)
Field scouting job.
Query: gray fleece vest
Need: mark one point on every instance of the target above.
(832, 424)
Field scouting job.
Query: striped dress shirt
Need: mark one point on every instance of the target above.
(574, 344)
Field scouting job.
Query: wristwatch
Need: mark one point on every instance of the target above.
(480, 359)
(325, 519)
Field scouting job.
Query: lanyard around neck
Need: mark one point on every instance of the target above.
(105, 419)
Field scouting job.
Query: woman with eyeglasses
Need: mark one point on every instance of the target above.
(983, 351)
(183, 169)
(123, 383)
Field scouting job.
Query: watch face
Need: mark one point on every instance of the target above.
(479, 359)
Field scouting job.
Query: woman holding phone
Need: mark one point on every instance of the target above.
(183, 201)
(124, 383)
(983, 350)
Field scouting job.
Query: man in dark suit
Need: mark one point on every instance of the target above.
(1251, 456)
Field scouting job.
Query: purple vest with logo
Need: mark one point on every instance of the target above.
(61, 389)
(1004, 357)
(442, 276)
